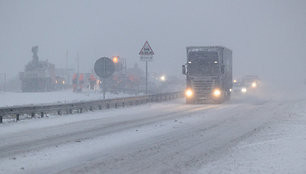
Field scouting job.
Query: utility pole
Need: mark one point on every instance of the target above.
(78, 63)
(77, 74)
(4, 82)
(67, 69)
(66, 59)
(3, 86)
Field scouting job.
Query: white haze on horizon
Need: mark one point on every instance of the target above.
(268, 37)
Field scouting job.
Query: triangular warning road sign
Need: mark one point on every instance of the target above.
(146, 49)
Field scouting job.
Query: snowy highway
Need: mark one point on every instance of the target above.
(163, 138)
(114, 87)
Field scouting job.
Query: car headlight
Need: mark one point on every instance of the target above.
(188, 92)
(243, 90)
(217, 92)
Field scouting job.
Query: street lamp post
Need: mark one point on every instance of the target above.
(4, 81)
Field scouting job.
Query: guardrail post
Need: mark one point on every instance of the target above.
(17, 117)
(1, 119)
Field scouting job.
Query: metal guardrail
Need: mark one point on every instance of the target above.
(15, 112)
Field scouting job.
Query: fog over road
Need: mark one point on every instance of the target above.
(167, 137)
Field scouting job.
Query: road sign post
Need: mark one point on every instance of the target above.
(146, 54)
(104, 68)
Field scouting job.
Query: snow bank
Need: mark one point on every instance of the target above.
(12, 99)
(278, 148)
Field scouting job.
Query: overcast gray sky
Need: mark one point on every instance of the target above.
(268, 37)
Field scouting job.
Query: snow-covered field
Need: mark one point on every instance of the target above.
(19, 98)
(258, 133)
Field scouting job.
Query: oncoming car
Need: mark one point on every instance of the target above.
(248, 84)
(239, 88)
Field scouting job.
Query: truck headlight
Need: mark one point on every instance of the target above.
(243, 90)
(217, 92)
(254, 85)
(188, 92)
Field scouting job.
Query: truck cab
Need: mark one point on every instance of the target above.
(208, 73)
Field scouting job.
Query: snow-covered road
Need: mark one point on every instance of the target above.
(246, 135)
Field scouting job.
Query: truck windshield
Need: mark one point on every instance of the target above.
(203, 63)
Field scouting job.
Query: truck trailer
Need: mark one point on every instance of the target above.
(208, 73)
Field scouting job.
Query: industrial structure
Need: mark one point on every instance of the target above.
(39, 76)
